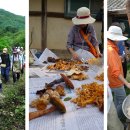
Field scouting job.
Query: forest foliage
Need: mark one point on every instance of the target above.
(12, 98)
(12, 30)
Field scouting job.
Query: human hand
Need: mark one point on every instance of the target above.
(75, 56)
(99, 54)
(128, 85)
(122, 58)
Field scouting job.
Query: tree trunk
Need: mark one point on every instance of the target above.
(128, 10)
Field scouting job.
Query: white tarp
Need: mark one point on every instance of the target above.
(84, 54)
(47, 53)
(88, 118)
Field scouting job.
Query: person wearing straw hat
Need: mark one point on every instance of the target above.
(5, 64)
(115, 70)
(82, 35)
(16, 65)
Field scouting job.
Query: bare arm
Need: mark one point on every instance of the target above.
(74, 54)
(124, 80)
(71, 50)
(98, 51)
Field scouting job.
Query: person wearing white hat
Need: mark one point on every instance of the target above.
(5, 64)
(5, 50)
(16, 65)
(82, 35)
(115, 70)
(122, 45)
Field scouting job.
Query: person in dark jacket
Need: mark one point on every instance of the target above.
(5, 64)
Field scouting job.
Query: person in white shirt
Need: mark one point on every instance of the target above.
(16, 65)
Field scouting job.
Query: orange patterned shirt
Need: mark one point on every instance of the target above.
(114, 65)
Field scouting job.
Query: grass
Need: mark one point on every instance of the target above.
(12, 107)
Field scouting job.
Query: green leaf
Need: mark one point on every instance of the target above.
(67, 98)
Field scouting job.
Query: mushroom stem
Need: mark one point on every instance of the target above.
(33, 115)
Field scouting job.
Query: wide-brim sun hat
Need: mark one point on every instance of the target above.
(5, 50)
(115, 34)
(83, 17)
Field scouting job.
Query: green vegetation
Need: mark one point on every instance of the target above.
(12, 105)
(12, 30)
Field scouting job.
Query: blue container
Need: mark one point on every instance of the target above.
(38, 54)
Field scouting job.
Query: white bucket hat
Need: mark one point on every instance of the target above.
(115, 34)
(5, 50)
(83, 17)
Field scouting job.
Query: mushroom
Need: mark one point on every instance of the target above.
(57, 105)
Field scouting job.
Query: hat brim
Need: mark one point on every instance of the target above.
(115, 37)
(4, 51)
(88, 20)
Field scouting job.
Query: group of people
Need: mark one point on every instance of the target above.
(81, 38)
(14, 62)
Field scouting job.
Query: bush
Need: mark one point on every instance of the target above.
(12, 107)
(10, 40)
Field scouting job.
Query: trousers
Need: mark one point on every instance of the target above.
(119, 96)
(5, 73)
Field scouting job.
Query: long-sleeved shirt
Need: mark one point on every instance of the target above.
(22, 55)
(76, 41)
(114, 65)
(17, 58)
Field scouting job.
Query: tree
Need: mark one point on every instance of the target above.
(128, 10)
(11, 29)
